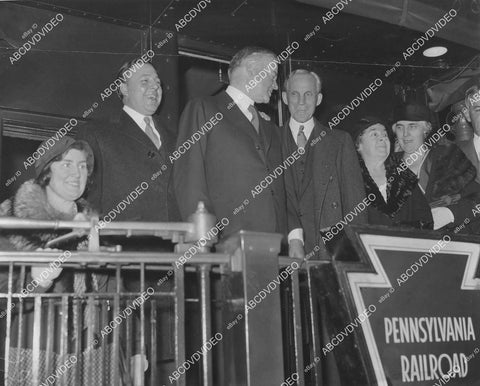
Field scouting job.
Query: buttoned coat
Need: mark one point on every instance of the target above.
(333, 177)
(127, 161)
(227, 164)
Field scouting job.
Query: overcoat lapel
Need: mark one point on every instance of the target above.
(129, 128)
(324, 158)
(239, 120)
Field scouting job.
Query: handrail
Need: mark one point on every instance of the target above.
(84, 257)
(115, 228)
(246, 266)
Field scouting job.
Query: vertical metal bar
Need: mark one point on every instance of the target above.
(116, 338)
(37, 321)
(96, 346)
(9, 322)
(20, 323)
(315, 328)
(64, 336)
(153, 343)
(50, 336)
(142, 324)
(90, 357)
(105, 347)
(205, 298)
(297, 325)
(131, 331)
(77, 314)
(180, 321)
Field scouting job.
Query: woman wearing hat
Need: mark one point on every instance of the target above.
(445, 175)
(61, 175)
(55, 194)
(398, 200)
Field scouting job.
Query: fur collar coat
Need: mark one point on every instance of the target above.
(30, 202)
(452, 184)
(399, 187)
(450, 171)
(405, 204)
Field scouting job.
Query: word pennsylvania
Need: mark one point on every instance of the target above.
(429, 329)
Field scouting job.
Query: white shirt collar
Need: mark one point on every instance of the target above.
(241, 100)
(476, 144)
(307, 127)
(139, 120)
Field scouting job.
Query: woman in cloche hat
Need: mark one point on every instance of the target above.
(61, 175)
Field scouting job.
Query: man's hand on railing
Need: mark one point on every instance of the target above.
(45, 274)
(138, 363)
(295, 249)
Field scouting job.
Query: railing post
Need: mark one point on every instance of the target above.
(256, 256)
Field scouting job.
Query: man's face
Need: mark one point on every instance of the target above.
(410, 134)
(142, 91)
(473, 113)
(302, 97)
(265, 79)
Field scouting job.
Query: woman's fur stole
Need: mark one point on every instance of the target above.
(399, 186)
(30, 202)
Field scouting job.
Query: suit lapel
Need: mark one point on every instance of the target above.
(309, 158)
(238, 119)
(166, 146)
(266, 135)
(424, 176)
(130, 129)
(291, 146)
(301, 185)
(324, 157)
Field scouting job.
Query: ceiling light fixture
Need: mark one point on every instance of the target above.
(434, 52)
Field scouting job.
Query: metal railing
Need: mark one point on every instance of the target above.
(239, 316)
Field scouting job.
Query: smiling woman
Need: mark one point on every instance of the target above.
(398, 199)
(55, 194)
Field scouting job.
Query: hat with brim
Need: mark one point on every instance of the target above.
(411, 112)
(51, 148)
(363, 124)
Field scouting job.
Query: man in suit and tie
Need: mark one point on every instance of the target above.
(132, 174)
(132, 168)
(471, 148)
(225, 166)
(325, 184)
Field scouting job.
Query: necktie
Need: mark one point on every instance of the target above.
(150, 133)
(301, 139)
(254, 119)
